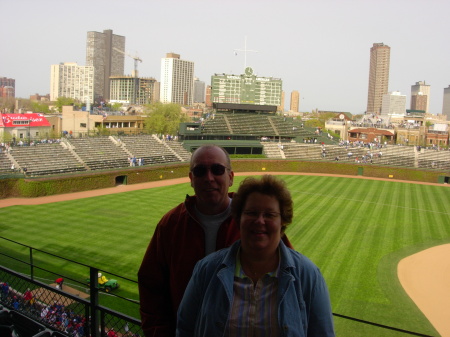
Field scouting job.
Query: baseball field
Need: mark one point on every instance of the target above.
(356, 230)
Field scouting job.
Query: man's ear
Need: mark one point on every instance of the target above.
(231, 178)
(190, 178)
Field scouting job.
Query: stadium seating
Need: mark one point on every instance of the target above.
(150, 148)
(14, 323)
(45, 159)
(391, 155)
(433, 159)
(99, 152)
(73, 155)
(273, 150)
(251, 124)
(5, 163)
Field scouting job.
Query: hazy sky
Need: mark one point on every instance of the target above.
(320, 48)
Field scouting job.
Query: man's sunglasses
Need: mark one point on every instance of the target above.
(201, 170)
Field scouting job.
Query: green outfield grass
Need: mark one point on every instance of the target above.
(355, 230)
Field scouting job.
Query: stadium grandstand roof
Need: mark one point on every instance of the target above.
(245, 107)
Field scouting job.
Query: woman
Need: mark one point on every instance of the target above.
(258, 286)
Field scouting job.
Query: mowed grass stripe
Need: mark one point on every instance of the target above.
(440, 207)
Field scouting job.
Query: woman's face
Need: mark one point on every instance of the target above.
(260, 223)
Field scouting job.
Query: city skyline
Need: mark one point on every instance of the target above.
(321, 49)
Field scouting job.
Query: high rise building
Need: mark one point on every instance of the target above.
(133, 90)
(6, 92)
(7, 87)
(378, 76)
(280, 108)
(422, 89)
(73, 81)
(446, 103)
(394, 103)
(208, 101)
(419, 102)
(104, 51)
(177, 80)
(199, 91)
(295, 101)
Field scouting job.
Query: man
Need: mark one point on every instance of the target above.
(59, 283)
(184, 235)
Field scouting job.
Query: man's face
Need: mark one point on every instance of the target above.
(211, 187)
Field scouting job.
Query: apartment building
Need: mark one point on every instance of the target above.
(71, 80)
(105, 52)
(177, 80)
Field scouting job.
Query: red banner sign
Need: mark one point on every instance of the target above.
(17, 120)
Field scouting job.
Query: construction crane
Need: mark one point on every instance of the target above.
(135, 58)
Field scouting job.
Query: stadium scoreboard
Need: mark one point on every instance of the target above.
(246, 88)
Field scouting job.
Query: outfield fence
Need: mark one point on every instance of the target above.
(65, 312)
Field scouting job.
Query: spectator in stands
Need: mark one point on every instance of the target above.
(258, 286)
(44, 312)
(5, 291)
(15, 303)
(184, 235)
(28, 297)
(112, 333)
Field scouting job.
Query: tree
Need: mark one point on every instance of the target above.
(62, 101)
(40, 107)
(6, 137)
(24, 104)
(164, 118)
(116, 106)
(7, 104)
(317, 119)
